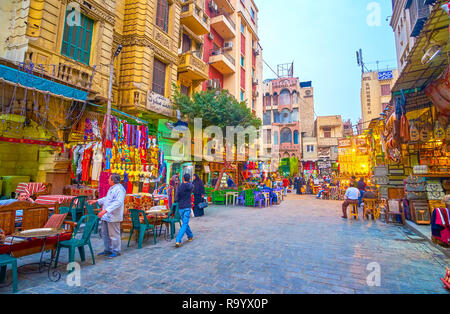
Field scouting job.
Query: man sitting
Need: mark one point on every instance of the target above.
(324, 188)
(22, 197)
(351, 197)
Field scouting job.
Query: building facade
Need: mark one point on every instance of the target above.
(288, 116)
(233, 51)
(329, 129)
(376, 93)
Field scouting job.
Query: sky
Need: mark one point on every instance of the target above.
(322, 38)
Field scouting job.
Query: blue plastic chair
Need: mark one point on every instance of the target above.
(8, 260)
(259, 198)
(240, 200)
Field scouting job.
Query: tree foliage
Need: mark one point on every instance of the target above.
(218, 108)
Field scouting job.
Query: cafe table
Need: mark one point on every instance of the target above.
(157, 213)
(42, 233)
(232, 196)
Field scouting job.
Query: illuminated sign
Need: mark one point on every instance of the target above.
(385, 75)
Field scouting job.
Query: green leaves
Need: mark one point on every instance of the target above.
(218, 108)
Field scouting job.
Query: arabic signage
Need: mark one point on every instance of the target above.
(345, 142)
(160, 104)
(385, 75)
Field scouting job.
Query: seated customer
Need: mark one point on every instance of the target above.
(351, 197)
(323, 188)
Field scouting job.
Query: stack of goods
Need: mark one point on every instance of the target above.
(252, 172)
(381, 179)
(396, 175)
(435, 194)
(416, 195)
(134, 155)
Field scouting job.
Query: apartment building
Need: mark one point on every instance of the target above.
(233, 51)
(329, 129)
(376, 93)
(288, 116)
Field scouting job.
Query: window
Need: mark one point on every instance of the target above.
(385, 90)
(286, 136)
(242, 61)
(285, 97)
(76, 42)
(310, 148)
(268, 136)
(242, 28)
(242, 95)
(159, 77)
(162, 15)
(184, 90)
(267, 118)
(327, 132)
(267, 100)
(252, 13)
(296, 137)
(275, 138)
(242, 78)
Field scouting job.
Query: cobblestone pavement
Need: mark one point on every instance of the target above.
(301, 246)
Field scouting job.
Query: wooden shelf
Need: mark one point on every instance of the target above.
(434, 175)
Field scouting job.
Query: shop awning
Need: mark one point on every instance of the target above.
(416, 76)
(24, 79)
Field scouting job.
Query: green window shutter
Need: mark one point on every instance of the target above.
(77, 40)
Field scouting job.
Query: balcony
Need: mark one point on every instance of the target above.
(287, 147)
(419, 13)
(225, 5)
(192, 67)
(194, 17)
(222, 61)
(224, 25)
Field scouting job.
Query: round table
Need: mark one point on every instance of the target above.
(42, 233)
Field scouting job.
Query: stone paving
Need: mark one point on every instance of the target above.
(301, 246)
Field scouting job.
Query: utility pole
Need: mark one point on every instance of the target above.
(108, 109)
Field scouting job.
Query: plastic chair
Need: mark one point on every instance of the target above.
(89, 221)
(353, 211)
(140, 227)
(6, 260)
(259, 198)
(240, 200)
(173, 218)
(75, 210)
(91, 210)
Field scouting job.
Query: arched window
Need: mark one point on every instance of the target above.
(295, 98)
(267, 100)
(286, 136)
(285, 97)
(275, 99)
(296, 137)
(285, 116)
(275, 138)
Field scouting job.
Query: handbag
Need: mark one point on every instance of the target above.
(203, 205)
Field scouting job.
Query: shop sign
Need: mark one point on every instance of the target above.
(159, 104)
(324, 164)
(360, 142)
(363, 150)
(346, 142)
(207, 170)
(385, 75)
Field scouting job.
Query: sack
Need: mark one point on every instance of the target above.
(203, 205)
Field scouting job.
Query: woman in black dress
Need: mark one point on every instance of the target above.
(199, 192)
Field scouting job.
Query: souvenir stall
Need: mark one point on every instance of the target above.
(252, 173)
(353, 158)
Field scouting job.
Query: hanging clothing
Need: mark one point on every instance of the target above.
(440, 225)
(103, 184)
(80, 154)
(86, 163)
(97, 162)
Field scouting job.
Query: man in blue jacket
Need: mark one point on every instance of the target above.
(183, 198)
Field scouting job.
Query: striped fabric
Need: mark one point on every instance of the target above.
(31, 188)
(52, 199)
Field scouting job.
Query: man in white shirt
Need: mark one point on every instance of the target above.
(111, 216)
(351, 197)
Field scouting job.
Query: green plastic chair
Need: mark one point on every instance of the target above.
(6, 260)
(173, 218)
(90, 221)
(91, 211)
(75, 210)
(140, 227)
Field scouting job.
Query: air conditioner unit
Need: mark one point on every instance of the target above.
(212, 6)
(256, 52)
(228, 45)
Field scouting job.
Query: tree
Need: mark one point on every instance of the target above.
(218, 108)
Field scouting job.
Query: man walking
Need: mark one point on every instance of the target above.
(286, 184)
(351, 197)
(111, 216)
(183, 198)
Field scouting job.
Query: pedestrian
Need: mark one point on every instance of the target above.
(230, 182)
(199, 194)
(183, 198)
(351, 197)
(111, 217)
(362, 189)
(268, 183)
(286, 184)
(214, 181)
